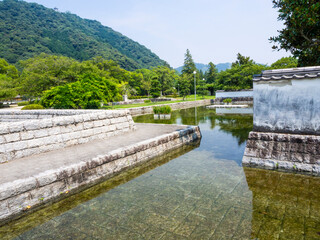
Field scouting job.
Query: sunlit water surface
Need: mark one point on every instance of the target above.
(200, 191)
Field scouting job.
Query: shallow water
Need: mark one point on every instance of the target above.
(198, 192)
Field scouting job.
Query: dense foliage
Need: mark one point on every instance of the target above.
(63, 82)
(28, 29)
(301, 35)
(8, 80)
(89, 92)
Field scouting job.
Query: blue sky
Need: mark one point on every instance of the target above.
(212, 30)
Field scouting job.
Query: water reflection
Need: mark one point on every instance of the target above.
(285, 206)
(238, 125)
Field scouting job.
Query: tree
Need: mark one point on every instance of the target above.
(184, 86)
(301, 35)
(166, 77)
(155, 87)
(211, 76)
(241, 60)
(45, 71)
(202, 88)
(88, 93)
(285, 62)
(188, 67)
(240, 75)
(8, 80)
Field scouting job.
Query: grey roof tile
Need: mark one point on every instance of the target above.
(288, 73)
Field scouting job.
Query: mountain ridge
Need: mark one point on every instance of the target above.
(30, 29)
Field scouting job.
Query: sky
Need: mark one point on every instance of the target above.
(213, 30)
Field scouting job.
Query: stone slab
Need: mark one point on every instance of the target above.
(31, 182)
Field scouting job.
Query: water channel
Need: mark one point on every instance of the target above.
(200, 191)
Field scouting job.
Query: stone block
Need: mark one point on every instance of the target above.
(93, 117)
(78, 119)
(86, 117)
(266, 136)
(3, 157)
(31, 125)
(296, 139)
(252, 143)
(98, 123)
(30, 151)
(78, 127)
(88, 125)
(12, 137)
(16, 127)
(72, 142)
(54, 131)
(87, 133)
(20, 145)
(106, 122)
(253, 136)
(66, 137)
(34, 143)
(45, 123)
(296, 157)
(40, 133)
(26, 135)
(2, 139)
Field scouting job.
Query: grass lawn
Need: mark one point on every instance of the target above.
(188, 98)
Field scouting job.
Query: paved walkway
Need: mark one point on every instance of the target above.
(29, 166)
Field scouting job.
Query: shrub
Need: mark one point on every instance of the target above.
(165, 109)
(23, 103)
(227, 100)
(32, 107)
(89, 92)
(147, 101)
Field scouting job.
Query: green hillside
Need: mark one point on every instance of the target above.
(28, 29)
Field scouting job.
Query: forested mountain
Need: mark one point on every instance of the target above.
(205, 67)
(28, 29)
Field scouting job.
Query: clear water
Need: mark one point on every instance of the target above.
(198, 192)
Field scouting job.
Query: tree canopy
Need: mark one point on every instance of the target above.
(301, 35)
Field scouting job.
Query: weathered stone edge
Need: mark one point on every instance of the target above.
(273, 164)
(16, 198)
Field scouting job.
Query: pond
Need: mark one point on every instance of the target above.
(200, 191)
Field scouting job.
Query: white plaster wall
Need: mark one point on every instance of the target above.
(287, 106)
(234, 94)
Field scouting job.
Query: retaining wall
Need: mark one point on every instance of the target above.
(283, 151)
(25, 138)
(18, 197)
(175, 106)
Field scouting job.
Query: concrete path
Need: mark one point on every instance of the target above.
(29, 166)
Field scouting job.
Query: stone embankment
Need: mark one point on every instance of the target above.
(58, 129)
(175, 106)
(48, 159)
(283, 151)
